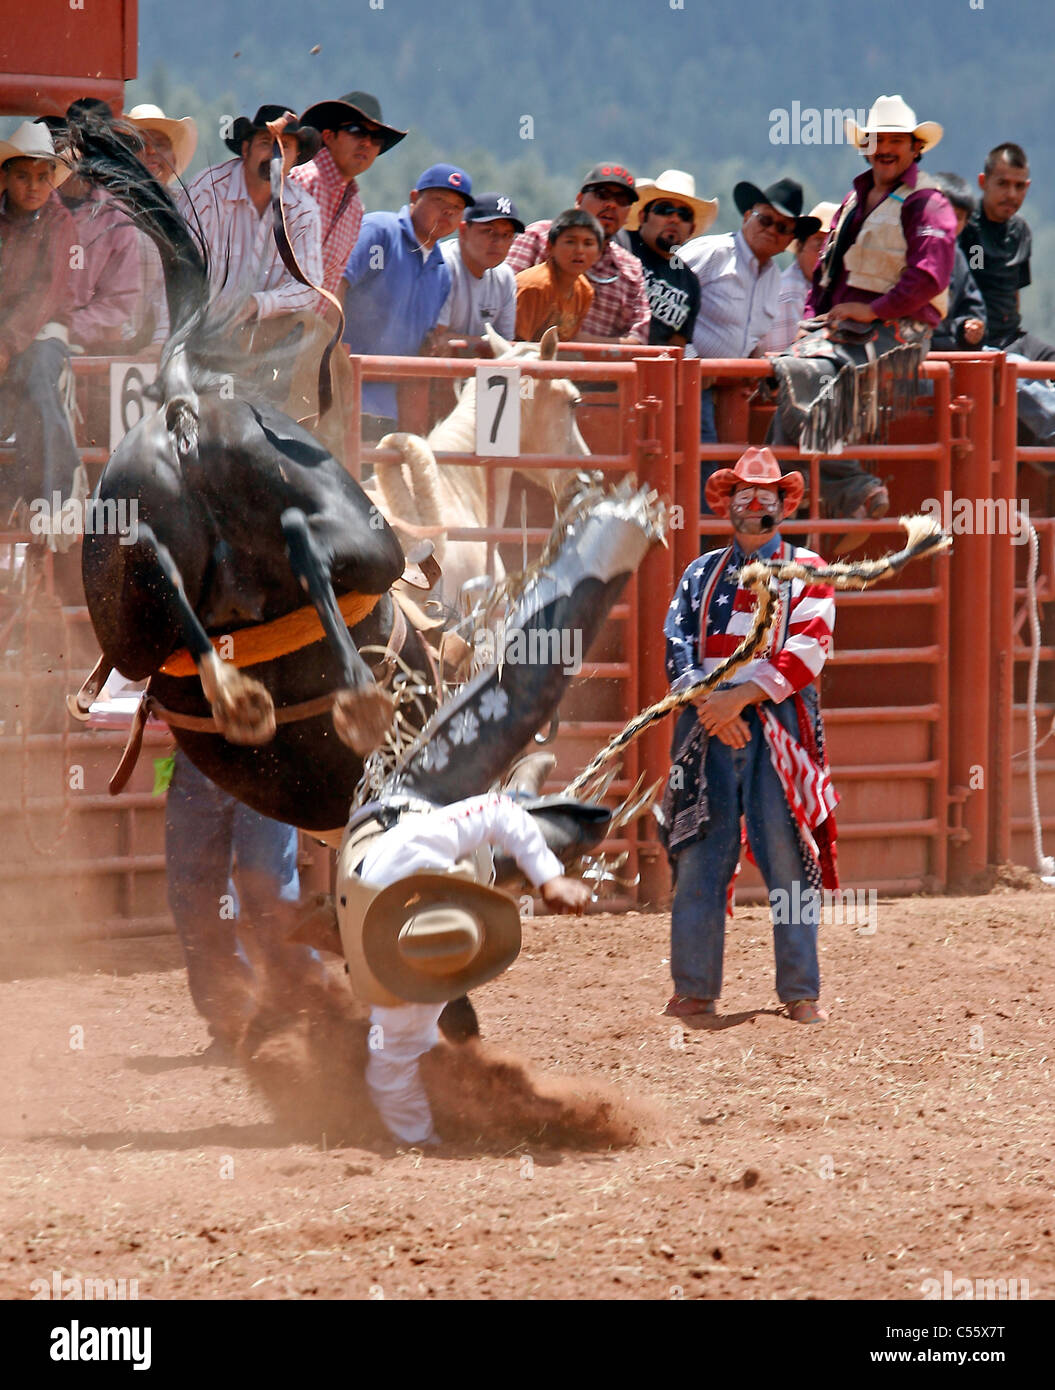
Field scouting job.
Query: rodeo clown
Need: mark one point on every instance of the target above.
(751, 748)
(419, 928)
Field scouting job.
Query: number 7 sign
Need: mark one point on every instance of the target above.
(498, 411)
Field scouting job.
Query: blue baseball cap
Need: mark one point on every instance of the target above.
(447, 176)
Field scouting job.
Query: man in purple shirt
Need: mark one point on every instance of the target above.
(879, 291)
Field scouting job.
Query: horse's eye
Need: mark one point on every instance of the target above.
(576, 403)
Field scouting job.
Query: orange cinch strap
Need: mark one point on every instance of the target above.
(277, 638)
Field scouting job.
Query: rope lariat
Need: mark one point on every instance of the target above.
(925, 537)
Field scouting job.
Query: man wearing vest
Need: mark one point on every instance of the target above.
(878, 292)
(754, 747)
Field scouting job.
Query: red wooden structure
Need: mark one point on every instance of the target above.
(54, 51)
(925, 695)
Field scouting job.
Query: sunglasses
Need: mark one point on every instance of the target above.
(371, 133)
(612, 193)
(670, 209)
(782, 228)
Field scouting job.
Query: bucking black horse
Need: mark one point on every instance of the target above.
(257, 569)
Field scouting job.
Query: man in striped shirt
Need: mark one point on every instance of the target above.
(353, 135)
(753, 748)
(230, 204)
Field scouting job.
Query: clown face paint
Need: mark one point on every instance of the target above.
(755, 510)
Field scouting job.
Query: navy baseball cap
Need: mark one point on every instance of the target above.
(447, 176)
(494, 207)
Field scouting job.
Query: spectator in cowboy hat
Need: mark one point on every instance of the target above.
(666, 215)
(740, 281)
(397, 281)
(619, 312)
(353, 134)
(36, 244)
(751, 748)
(230, 204)
(483, 288)
(878, 292)
(796, 280)
(168, 148)
(168, 142)
(106, 307)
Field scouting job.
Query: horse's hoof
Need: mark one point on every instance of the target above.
(362, 717)
(245, 713)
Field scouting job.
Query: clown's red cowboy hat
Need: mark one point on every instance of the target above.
(755, 467)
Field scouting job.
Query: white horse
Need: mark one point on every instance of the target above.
(418, 490)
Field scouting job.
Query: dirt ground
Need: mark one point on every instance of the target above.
(909, 1137)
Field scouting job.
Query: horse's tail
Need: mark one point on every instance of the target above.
(105, 154)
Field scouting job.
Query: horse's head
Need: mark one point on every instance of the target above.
(547, 407)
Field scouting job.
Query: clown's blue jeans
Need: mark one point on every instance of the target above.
(223, 930)
(742, 781)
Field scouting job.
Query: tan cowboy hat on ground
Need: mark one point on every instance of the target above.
(894, 116)
(673, 183)
(424, 939)
(33, 141)
(183, 133)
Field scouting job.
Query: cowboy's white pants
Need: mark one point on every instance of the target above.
(399, 1035)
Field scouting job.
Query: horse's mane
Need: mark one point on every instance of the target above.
(105, 154)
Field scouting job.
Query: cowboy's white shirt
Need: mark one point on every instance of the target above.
(434, 841)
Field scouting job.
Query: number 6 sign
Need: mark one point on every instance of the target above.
(128, 405)
(498, 411)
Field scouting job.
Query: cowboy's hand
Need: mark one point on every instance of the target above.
(718, 707)
(735, 734)
(851, 309)
(973, 331)
(566, 894)
(277, 127)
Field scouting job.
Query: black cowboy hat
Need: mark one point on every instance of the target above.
(353, 106)
(245, 129)
(785, 196)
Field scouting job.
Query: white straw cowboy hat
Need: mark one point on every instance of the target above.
(425, 939)
(33, 141)
(894, 116)
(673, 183)
(824, 212)
(183, 133)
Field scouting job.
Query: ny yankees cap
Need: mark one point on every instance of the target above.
(447, 176)
(492, 207)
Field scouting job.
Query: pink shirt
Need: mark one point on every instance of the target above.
(929, 225)
(104, 275)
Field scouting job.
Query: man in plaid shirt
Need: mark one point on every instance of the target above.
(620, 311)
(353, 135)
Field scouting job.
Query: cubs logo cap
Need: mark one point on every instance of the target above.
(450, 177)
(493, 207)
(609, 173)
